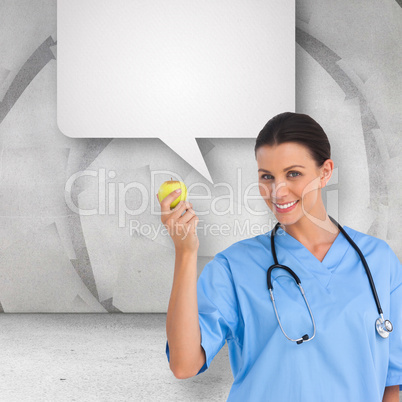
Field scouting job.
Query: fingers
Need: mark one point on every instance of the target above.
(165, 203)
(187, 216)
(176, 213)
(193, 222)
(172, 216)
(190, 225)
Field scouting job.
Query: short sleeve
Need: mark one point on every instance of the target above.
(394, 376)
(217, 308)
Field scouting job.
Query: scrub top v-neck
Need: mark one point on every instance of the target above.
(322, 270)
(346, 361)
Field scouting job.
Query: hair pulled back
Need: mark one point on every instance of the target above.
(299, 128)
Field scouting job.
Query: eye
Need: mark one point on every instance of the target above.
(296, 173)
(269, 177)
(264, 175)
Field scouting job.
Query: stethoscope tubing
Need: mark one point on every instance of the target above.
(277, 265)
(368, 272)
(304, 338)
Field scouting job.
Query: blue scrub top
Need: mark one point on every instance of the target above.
(346, 361)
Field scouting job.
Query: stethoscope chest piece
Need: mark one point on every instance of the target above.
(383, 327)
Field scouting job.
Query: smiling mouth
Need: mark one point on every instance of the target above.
(286, 206)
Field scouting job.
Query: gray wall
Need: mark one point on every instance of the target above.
(348, 69)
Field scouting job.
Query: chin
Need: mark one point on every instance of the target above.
(287, 220)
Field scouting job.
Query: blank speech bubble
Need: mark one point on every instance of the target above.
(174, 69)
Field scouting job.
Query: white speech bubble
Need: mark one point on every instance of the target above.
(174, 69)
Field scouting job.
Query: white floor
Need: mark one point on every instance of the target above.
(98, 357)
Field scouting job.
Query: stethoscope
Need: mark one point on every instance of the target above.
(384, 327)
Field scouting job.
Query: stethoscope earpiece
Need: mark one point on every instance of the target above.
(303, 338)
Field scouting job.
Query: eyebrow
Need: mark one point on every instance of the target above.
(290, 167)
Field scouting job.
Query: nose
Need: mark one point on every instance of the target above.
(279, 191)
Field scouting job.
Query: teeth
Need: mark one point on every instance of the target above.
(286, 205)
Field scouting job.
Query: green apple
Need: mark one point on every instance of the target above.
(168, 186)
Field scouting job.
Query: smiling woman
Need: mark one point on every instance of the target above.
(295, 152)
(343, 272)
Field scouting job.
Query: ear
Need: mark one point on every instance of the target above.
(326, 172)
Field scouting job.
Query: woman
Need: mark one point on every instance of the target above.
(341, 357)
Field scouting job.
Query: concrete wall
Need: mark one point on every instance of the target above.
(348, 73)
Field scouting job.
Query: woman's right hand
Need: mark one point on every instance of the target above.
(182, 229)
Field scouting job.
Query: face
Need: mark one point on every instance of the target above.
(290, 193)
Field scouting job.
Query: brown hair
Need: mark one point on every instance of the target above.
(296, 127)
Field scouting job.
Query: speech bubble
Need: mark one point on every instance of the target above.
(174, 69)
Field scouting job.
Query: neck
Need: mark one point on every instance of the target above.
(313, 229)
